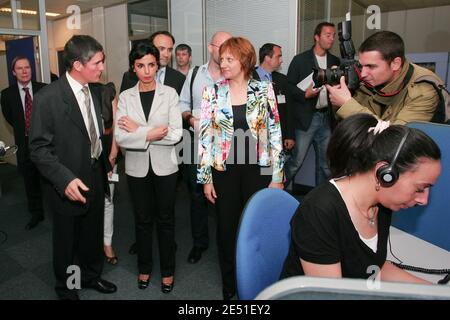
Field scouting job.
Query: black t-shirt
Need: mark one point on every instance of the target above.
(147, 100)
(323, 233)
(243, 145)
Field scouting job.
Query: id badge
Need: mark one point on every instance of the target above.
(281, 98)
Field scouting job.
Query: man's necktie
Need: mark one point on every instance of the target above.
(159, 76)
(269, 77)
(28, 107)
(95, 141)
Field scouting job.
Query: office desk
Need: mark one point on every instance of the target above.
(417, 252)
(409, 249)
(309, 288)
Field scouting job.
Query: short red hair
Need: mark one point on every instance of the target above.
(242, 50)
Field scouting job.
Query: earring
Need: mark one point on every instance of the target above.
(377, 186)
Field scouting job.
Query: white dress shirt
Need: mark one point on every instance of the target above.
(79, 95)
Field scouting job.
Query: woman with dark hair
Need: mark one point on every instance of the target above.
(342, 227)
(240, 135)
(148, 125)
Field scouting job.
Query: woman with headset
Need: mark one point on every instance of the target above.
(341, 228)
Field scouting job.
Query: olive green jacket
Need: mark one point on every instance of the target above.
(415, 102)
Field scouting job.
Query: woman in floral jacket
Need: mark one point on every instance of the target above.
(240, 146)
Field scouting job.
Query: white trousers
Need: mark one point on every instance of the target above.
(109, 214)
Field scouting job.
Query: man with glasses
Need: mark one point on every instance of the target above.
(190, 103)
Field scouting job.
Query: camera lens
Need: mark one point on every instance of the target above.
(319, 77)
(334, 76)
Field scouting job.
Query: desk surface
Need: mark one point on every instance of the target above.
(419, 253)
(411, 250)
(309, 288)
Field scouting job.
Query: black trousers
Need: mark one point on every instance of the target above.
(233, 188)
(78, 240)
(32, 181)
(153, 199)
(198, 207)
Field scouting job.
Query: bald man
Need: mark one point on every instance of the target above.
(206, 75)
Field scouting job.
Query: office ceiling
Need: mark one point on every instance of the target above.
(396, 5)
(156, 8)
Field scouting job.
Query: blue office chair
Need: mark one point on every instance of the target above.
(263, 240)
(432, 222)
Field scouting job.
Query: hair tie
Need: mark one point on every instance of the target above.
(380, 127)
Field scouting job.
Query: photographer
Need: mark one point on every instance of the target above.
(387, 88)
(310, 107)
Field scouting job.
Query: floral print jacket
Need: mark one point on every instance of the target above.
(216, 128)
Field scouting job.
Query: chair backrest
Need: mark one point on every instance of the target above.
(432, 222)
(263, 240)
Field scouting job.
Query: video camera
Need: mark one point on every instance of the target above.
(349, 67)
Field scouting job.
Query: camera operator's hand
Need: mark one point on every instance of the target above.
(339, 94)
(311, 92)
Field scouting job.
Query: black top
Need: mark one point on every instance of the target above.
(146, 101)
(323, 233)
(241, 146)
(239, 117)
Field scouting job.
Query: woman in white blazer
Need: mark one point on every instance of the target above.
(148, 126)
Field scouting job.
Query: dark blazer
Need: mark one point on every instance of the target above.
(281, 87)
(60, 144)
(173, 78)
(12, 108)
(301, 66)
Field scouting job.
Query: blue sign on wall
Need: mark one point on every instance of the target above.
(20, 47)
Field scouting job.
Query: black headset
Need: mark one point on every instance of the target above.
(388, 174)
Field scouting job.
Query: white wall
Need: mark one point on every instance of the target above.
(58, 34)
(186, 27)
(260, 21)
(423, 30)
(29, 22)
(237, 17)
(52, 55)
(61, 33)
(116, 43)
(3, 71)
(109, 26)
(6, 134)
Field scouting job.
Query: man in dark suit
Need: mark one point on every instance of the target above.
(270, 60)
(164, 41)
(312, 113)
(65, 145)
(17, 101)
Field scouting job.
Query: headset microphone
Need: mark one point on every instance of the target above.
(388, 174)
